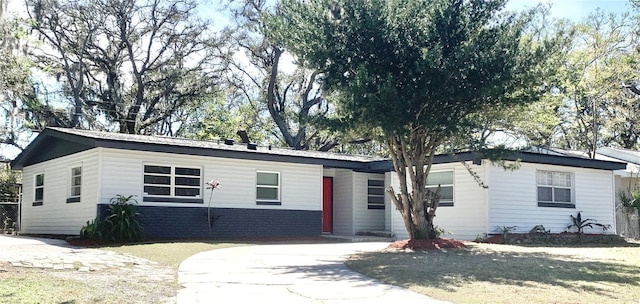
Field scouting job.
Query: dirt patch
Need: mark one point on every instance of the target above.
(428, 244)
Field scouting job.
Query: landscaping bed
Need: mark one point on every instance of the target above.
(564, 238)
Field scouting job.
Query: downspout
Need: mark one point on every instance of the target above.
(99, 185)
(487, 176)
(614, 226)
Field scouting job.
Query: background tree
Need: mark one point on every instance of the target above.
(416, 70)
(286, 99)
(597, 110)
(134, 64)
(17, 90)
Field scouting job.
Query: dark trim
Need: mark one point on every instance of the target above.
(447, 204)
(557, 205)
(268, 203)
(537, 158)
(37, 203)
(73, 199)
(375, 207)
(180, 200)
(58, 142)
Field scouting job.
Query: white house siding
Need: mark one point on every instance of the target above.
(343, 212)
(366, 219)
(467, 218)
(56, 216)
(513, 199)
(300, 184)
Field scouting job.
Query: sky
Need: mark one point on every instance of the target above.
(574, 10)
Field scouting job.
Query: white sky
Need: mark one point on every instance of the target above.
(574, 10)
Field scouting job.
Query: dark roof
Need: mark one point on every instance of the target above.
(57, 142)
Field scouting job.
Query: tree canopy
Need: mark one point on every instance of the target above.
(416, 70)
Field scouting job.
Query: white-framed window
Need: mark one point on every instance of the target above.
(267, 188)
(172, 181)
(375, 194)
(38, 189)
(75, 187)
(445, 180)
(555, 189)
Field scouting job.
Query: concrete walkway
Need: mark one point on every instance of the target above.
(58, 254)
(285, 274)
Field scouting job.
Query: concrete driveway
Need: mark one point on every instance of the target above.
(313, 273)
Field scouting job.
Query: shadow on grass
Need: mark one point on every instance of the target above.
(447, 270)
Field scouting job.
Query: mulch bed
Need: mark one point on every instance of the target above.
(428, 244)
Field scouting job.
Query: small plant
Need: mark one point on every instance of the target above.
(92, 230)
(505, 230)
(580, 223)
(630, 199)
(122, 224)
(213, 185)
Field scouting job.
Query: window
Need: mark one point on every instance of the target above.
(445, 180)
(38, 189)
(554, 189)
(76, 185)
(172, 182)
(375, 194)
(268, 188)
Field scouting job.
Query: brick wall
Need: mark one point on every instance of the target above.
(191, 222)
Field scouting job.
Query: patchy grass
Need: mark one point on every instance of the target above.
(487, 273)
(157, 284)
(29, 285)
(169, 253)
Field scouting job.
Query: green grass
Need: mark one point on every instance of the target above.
(168, 254)
(511, 274)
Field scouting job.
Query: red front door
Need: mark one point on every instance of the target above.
(327, 204)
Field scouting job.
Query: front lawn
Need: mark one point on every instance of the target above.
(157, 284)
(489, 273)
(168, 253)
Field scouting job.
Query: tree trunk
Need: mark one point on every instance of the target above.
(412, 157)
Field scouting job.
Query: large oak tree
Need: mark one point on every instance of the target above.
(417, 70)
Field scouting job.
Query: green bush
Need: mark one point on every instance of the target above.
(92, 230)
(123, 223)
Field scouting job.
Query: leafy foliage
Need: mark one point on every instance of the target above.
(417, 71)
(136, 64)
(123, 222)
(93, 230)
(630, 199)
(579, 223)
(121, 225)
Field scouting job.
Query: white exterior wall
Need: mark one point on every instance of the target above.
(513, 199)
(343, 211)
(366, 219)
(300, 184)
(468, 216)
(56, 216)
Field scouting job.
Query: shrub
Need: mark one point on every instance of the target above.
(580, 224)
(92, 230)
(123, 223)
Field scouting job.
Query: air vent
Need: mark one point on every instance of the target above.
(228, 142)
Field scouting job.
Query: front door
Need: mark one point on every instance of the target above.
(327, 204)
